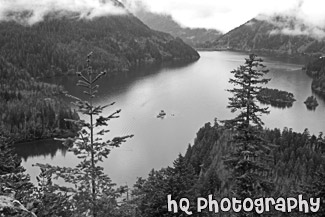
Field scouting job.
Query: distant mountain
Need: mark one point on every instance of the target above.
(196, 37)
(59, 45)
(277, 34)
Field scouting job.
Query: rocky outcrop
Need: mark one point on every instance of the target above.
(11, 207)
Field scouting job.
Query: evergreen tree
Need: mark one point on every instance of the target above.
(181, 181)
(31, 109)
(14, 183)
(94, 192)
(316, 187)
(317, 190)
(51, 200)
(150, 195)
(247, 160)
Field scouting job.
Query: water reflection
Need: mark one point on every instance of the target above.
(41, 148)
(114, 82)
(190, 95)
(279, 105)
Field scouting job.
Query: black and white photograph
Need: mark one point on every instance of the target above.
(162, 108)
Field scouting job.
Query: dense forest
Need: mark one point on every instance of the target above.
(31, 109)
(275, 97)
(237, 158)
(296, 160)
(58, 45)
(316, 69)
(293, 162)
(266, 34)
(229, 158)
(297, 166)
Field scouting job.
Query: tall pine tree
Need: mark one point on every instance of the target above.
(150, 195)
(94, 193)
(247, 161)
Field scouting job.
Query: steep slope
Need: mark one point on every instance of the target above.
(31, 109)
(278, 35)
(196, 37)
(294, 161)
(316, 69)
(58, 45)
(296, 157)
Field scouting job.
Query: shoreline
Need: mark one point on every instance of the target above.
(52, 137)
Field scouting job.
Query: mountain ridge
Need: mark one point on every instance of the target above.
(57, 46)
(195, 37)
(278, 35)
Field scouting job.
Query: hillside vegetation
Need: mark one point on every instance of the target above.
(57, 45)
(296, 160)
(195, 37)
(31, 109)
(316, 69)
(274, 35)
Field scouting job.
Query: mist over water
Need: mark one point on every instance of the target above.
(191, 95)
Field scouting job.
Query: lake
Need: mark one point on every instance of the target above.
(191, 95)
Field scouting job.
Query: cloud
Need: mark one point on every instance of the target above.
(226, 15)
(33, 11)
(312, 32)
(217, 14)
(304, 19)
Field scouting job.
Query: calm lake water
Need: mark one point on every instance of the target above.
(191, 95)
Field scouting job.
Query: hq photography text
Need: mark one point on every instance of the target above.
(259, 205)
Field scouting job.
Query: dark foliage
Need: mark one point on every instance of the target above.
(14, 183)
(31, 109)
(311, 103)
(150, 195)
(247, 162)
(275, 97)
(296, 161)
(317, 190)
(58, 45)
(264, 35)
(93, 193)
(316, 69)
(49, 199)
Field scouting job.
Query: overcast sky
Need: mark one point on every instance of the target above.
(228, 14)
(223, 15)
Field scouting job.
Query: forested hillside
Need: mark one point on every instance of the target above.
(282, 35)
(235, 158)
(58, 45)
(31, 109)
(296, 160)
(238, 158)
(296, 156)
(196, 37)
(316, 69)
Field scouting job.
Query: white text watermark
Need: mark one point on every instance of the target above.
(258, 205)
